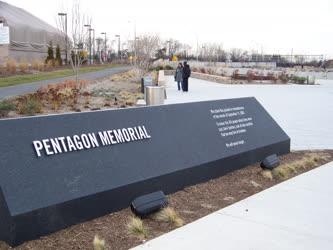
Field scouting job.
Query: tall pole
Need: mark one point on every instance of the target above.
(89, 29)
(105, 55)
(66, 41)
(66, 37)
(135, 43)
(93, 45)
(119, 55)
(90, 46)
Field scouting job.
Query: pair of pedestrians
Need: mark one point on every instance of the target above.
(183, 73)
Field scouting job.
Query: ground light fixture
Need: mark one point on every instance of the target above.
(147, 204)
(270, 162)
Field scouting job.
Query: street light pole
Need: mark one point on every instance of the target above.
(89, 29)
(93, 45)
(104, 33)
(66, 38)
(119, 55)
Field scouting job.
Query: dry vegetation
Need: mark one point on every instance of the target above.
(169, 215)
(119, 91)
(286, 170)
(137, 229)
(98, 243)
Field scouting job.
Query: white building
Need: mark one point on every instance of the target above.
(28, 35)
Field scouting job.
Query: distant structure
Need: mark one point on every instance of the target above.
(29, 36)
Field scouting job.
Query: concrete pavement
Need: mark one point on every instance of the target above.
(296, 214)
(21, 89)
(303, 111)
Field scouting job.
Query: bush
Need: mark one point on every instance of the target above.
(283, 77)
(58, 60)
(24, 66)
(168, 67)
(11, 66)
(203, 70)
(5, 108)
(50, 55)
(299, 79)
(29, 105)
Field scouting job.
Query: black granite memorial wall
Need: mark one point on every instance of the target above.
(60, 170)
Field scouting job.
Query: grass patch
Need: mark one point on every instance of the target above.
(98, 243)
(137, 229)
(169, 215)
(20, 79)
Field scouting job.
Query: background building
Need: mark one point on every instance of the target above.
(29, 36)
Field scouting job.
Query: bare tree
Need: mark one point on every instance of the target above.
(77, 37)
(236, 54)
(146, 48)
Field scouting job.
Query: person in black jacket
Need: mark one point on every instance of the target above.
(186, 76)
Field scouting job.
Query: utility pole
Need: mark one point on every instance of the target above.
(66, 38)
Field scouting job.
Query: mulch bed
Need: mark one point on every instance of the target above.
(191, 204)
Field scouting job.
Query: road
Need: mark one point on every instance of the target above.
(21, 89)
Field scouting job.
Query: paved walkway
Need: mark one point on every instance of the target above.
(304, 112)
(296, 214)
(33, 86)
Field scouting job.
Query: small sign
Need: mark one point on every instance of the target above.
(4, 35)
(148, 81)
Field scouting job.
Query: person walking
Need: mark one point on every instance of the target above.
(179, 76)
(186, 76)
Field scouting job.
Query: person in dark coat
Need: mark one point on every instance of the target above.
(179, 76)
(186, 76)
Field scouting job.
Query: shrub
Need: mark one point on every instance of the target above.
(283, 77)
(11, 66)
(50, 54)
(203, 70)
(169, 215)
(29, 105)
(58, 60)
(24, 66)
(5, 108)
(137, 228)
(298, 79)
(168, 67)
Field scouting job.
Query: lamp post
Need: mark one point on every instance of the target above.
(93, 44)
(169, 42)
(66, 38)
(135, 50)
(104, 33)
(119, 55)
(89, 29)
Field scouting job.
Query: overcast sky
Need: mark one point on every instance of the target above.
(276, 26)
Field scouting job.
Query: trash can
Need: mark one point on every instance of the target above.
(154, 95)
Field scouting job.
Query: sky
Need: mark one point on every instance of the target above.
(274, 26)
